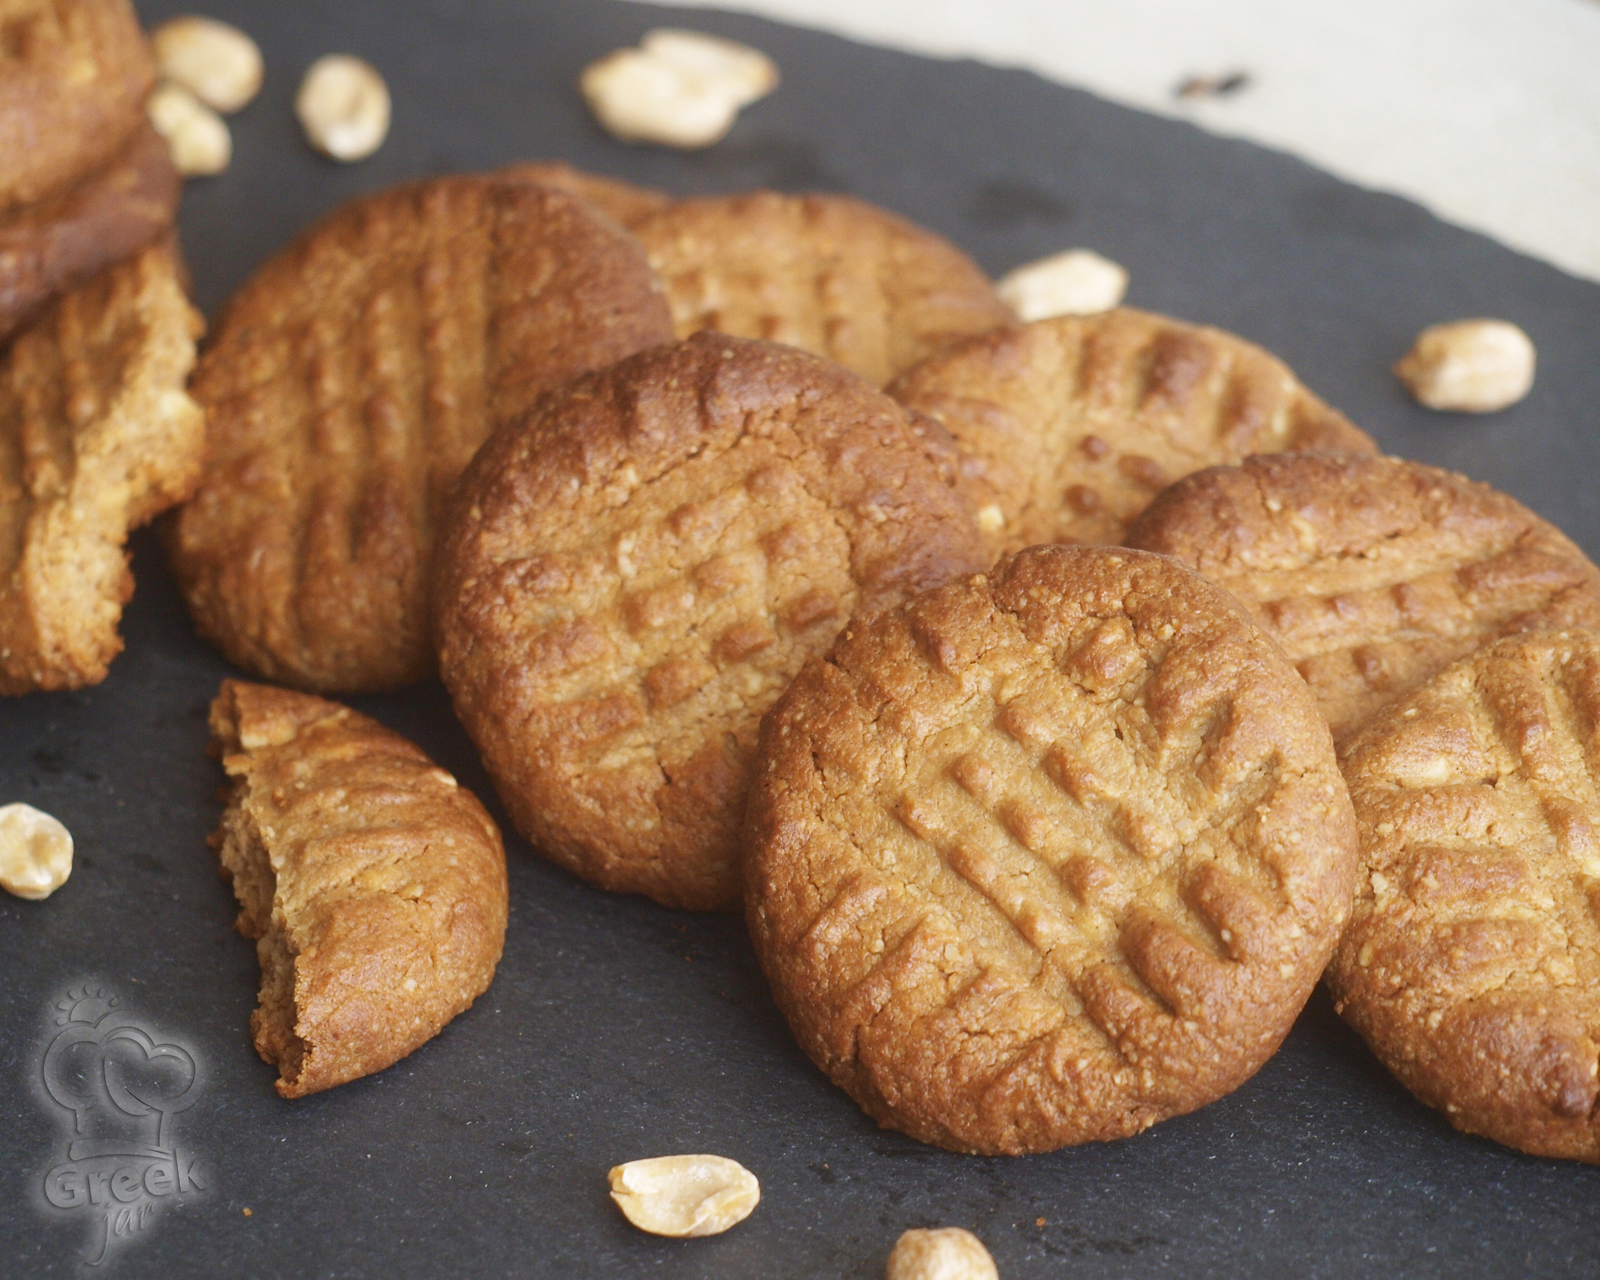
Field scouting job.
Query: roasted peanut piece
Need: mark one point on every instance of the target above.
(1078, 282)
(948, 1253)
(343, 105)
(1470, 366)
(197, 136)
(216, 62)
(685, 1195)
(679, 88)
(35, 852)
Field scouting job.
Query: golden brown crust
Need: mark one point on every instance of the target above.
(60, 241)
(633, 573)
(349, 383)
(831, 275)
(73, 79)
(1048, 854)
(1070, 426)
(620, 200)
(374, 885)
(96, 437)
(1472, 960)
(1374, 574)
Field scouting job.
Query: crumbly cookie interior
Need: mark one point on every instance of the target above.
(248, 866)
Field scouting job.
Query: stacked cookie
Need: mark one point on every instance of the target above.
(1034, 852)
(97, 339)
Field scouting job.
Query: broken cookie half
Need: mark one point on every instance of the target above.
(97, 436)
(374, 885)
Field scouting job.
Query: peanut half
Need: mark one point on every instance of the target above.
(216, 62)
(685, 1195)
(343, 105)
(949, 1253)
(1470, 366)
(679, 88)
(35, 852)
(1078, 282)
(197, 136)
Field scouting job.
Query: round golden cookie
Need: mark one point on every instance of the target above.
(615, 198)
(834, 276)
(632, 574)
(1046, 855)
(73, 79)
(374, 885)
(351, 380)
(1373, 573)
(1472, 961)
(1070, 426)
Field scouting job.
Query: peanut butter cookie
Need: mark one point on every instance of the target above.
(1070, 426)
(374, 885)
(1374, 574)
(1046, 855)
(62, 240)
(1472, 960)
(73, 79)
(348, 384)
(834, 276)
(613, 197)
(96, 437)
(632, 574)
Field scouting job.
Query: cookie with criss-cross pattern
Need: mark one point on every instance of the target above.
(348, 384)
(96, 438)
(831, 275)
(1047, 855)
(1373, 573)
(1069, 427)
(374, 885)
(632, 574)
(615, 198)
(1472, 961)
(60, 241)
(73, 79)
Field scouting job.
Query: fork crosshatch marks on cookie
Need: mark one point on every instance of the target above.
(116, 1086)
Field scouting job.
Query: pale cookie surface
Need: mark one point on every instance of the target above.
(374, 885)
(1046, 855)
(833, 276)
(73, 76)
(1472, 960)
(1374, 574)
(348, 384)
(633, 574)
(1070, 426)
(96, 437)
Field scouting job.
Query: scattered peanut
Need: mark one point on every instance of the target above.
(216, 62)
(678, 88)
(197, 136)
(1078, 282)
(949, 1253)
(343, 105)
(685, 1195)
(1470, 366)
(35, 852)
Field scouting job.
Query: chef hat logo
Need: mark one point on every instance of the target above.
(122, 1084)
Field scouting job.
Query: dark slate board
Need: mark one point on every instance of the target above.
(616, 1029)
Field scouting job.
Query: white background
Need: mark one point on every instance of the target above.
(1485, 111)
